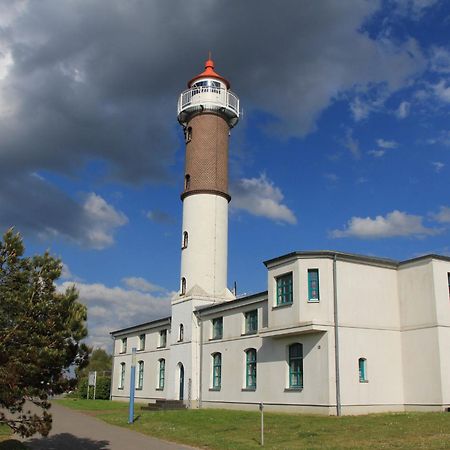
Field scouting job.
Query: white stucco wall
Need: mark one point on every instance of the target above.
(204, 261)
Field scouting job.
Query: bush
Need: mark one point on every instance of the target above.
(102, 390)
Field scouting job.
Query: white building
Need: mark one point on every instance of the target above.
(334, 332)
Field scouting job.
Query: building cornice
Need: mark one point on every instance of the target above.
(143, 326)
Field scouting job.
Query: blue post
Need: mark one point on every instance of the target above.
(132, 385)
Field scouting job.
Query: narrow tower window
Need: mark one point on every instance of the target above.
(181, 333)
(140, 380)
(250, 369)
(217, 371)
(296, 366)
(185, 240)
(362, 369)
(187, 181)
(188, 134)
(183, 286)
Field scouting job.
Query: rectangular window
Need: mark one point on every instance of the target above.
(217, 328)
(251, 322)
(284, 289)
(217, 371)
(123, 345)
(250, 381)
(362, 369)
(141, 342)
(162, 373)
(296, 366)
(162, 338)
(313, 285)
(122, 376)
(140, 380)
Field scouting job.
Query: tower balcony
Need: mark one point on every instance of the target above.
(208, 98)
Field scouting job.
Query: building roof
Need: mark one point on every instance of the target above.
(352, 257)
(209, 72)
(152, 324)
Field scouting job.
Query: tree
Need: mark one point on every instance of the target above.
(99, 361)
(40, 334)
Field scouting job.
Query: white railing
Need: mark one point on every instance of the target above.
(208, 96)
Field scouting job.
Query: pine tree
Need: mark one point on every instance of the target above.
(40, 334)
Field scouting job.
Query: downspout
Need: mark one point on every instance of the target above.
(336, 339)
(112, 368)
(200, 376)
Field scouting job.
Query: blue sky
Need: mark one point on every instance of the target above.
(344, 143)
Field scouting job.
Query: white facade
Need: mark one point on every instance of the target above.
(394, 316)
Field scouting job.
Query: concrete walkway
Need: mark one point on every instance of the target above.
(73, 430)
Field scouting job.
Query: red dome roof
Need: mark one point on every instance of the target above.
(209, 73)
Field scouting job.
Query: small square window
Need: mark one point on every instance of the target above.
(251, 322)
(217, 328)
(284, 289)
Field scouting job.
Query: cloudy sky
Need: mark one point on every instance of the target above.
(344, 143)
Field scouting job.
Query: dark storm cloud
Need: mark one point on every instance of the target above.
(83, 80)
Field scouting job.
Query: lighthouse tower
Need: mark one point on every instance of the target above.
(207, 111)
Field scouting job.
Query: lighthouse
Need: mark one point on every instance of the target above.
(207, 111)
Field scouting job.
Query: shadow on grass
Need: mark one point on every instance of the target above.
(11, 444)
(65, 441)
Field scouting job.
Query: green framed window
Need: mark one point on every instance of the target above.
(162, 338)
(313, 285)
(122, 376)
(251, 321)
(141, 342)
(123, 345)
(296, 366)
(250, 369)
(162, 373)
(217, 328)
(284, 289)
(140, 380)
(217, 370)
(362, 370)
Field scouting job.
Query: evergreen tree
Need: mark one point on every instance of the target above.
(40, 334)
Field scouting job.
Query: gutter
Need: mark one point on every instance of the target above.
(336, 339)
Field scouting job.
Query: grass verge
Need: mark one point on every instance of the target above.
(226, 429)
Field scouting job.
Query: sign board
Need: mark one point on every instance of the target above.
(92, 378)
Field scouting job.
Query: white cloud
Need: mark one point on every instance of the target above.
(103, 218)
(352, 144)
(359, 109)
(159, 217)
(438, 166)
(403, 110)
(260, 197)
(377, 153)
(386, 144)
(442, 91)
(141, 284)
(113, 308)
(443, 216)
(440, 60)
(395, 223)
(332, 177)
(414, 9)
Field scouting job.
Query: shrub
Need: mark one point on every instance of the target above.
(102, 389)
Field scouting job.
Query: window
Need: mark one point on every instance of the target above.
(187, 182)
(123, 345)
(122, 376)
(162, 338)
(183, 286)
(140, 380)
(217, 328)
(217, 370)
(284, 289)
(251, 322)
(250, 369)
(141, 342)
(362, 369)
(313, 285)
(188, 134)
(296, 366)
(162, 373)
(185, 242)
(181, 333)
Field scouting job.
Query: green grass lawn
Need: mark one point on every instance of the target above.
(226, 429)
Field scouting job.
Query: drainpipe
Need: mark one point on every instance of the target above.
(200, 376)
(336, 340)
(112, 368)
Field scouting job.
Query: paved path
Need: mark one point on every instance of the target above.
(73, 430)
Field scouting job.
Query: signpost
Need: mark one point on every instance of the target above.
(132, 385)
(92, 381)
(261, 408)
